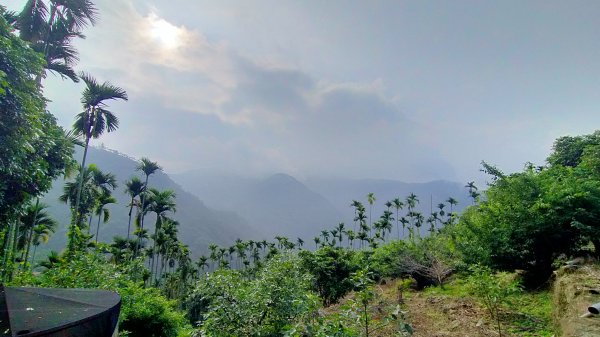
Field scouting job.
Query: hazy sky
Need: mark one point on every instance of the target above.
(409, 90)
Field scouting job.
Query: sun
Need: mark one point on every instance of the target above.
(164, 33)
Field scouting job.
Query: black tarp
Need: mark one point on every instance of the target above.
(48, 312)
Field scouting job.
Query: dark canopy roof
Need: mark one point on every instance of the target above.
(28, 312)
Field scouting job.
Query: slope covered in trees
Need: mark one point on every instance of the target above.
(505, 243)
(200, 225)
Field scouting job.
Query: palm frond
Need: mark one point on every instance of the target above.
(10, 16)
(72, 137)
(147, 166)
(95, 94)
(112, 121)
(32, 20)
(79, 126)
(80, 13)
(62, 69)
(98, 127)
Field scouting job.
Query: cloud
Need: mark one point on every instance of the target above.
(199, 103)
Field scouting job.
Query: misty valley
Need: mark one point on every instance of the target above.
(190, 183)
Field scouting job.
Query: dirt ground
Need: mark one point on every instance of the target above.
(439, 316)
(448, 314)
(573, 293)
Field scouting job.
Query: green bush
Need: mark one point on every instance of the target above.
(225, 303)
(331, 268)
(494, 291)
(388, 259)
(146, 313)
(429, 260)
(528, 219)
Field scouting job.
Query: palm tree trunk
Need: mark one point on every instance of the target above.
(90, 224)
(162, 266)
(25, 255)
(33, 255)
(398, 224)
(98, 227)
(81, 171)
(143, 199)
(13, 251)
(39, 77)
(154, 252)
(71, 244)
(29, 239)
(156, 266)
(6, 248)
(129, 225)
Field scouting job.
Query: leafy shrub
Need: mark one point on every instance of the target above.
(388, 259)
(227, 304)
(145, 312)
(331, 269)
(529, 219)
(429, 260)
(494, 291)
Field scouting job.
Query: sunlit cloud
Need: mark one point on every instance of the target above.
(164, 33)
(216, 107)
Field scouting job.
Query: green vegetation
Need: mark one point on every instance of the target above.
(523, 221)
(493, 291)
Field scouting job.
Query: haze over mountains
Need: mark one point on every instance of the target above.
(219, 208)
(281, 204)
(199, 224)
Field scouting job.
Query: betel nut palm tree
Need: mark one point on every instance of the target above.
(104, 199)
(92, 123)
(50, 26)
(147, 167)
(162, 202)
(35, 220)
(134, 188)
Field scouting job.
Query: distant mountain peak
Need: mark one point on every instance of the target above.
(282, 178)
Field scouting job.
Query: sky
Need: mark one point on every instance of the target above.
(407, 90)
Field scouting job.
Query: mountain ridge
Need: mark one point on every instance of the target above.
(199, 224)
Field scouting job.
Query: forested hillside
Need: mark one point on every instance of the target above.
(517, 257)
(200, 225)
(282, 205)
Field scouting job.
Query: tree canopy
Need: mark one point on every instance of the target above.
(34, 149)
(530, 218)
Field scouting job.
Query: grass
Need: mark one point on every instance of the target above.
(529, 313)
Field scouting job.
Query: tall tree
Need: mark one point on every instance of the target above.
(105, 198)
(472, 191)
(35, 221)
(134, 188)
(371, 200)
(411, 202)
(161, 203)
(41, 234)
(51, 26)
(147, 167)
(88, 193)
(34, 150)
(92, 123)
(398, 204)
(356, 204)
(450, 215)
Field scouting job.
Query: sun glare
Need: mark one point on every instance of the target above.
(164, 33)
